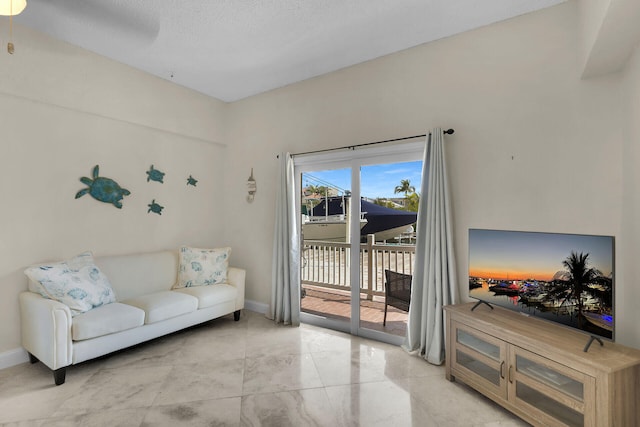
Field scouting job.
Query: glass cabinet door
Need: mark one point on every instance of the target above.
(480, 358)
(556, 390)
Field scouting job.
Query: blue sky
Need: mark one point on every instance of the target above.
(376, 180)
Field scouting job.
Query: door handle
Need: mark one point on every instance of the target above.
(502, 369)
(511, 374)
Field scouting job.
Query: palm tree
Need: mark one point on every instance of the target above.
(405, 187)
(318, 190)
(580, 274)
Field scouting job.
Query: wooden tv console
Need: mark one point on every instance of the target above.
(539, 371)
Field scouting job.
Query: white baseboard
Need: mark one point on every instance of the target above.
(258, 307)
(13, 357)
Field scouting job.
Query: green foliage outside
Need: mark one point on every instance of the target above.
(405, 187)
(411, 198)
(318, 189)
(384, 202)
(412, 202)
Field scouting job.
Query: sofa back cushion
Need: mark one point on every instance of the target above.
(201, 267)
(140, 274)
(78, 283)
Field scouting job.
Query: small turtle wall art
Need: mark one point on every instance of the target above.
(155, 208)
(192, 181)
(155, 175)
(103, 189)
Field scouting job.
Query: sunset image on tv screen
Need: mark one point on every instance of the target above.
(566, 278)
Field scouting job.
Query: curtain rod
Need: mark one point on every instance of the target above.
(352, 147)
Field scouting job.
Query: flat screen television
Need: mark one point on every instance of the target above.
(564, 278)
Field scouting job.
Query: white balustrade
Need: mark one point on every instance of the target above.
(326, 264)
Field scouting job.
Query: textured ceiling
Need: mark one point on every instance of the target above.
(232, 49)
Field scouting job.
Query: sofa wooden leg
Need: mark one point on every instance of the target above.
(236, 315)
(59, 375)
(32, 359)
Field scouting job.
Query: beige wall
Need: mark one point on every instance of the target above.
(64, 110)
(536, 148)
(629, 251)
(592, 13)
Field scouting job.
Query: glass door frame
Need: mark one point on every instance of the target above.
(353, 159)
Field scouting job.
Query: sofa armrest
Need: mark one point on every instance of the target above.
(236, 277)
(46, 330)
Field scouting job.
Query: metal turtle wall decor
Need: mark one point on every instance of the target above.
(192, 181)
(103, 189)
(155, 175)
(155, 208)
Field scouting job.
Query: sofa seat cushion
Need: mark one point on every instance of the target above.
(211, 295)
(163, 305)
(105, 320)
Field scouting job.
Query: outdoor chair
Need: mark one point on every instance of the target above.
(397, 291)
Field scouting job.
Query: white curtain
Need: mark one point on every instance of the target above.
(285, 276)
(434, 278)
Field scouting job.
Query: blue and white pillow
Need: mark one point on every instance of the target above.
(78, 283)
(201, 267)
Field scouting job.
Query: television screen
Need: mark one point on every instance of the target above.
(565, 278)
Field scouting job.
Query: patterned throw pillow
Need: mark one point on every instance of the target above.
(199, 267)
(78, 283)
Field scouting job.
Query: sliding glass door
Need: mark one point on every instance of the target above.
(325, 247)
(390, 193)
(352, 252)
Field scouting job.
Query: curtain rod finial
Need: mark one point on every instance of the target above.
(449, 131)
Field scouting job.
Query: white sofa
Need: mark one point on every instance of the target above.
(147, 307)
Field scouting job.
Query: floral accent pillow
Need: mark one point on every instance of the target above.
(77, 283)
(200, 267)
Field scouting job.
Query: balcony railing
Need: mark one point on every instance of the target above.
(326, 264)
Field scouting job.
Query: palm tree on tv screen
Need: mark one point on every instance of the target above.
(580, 274)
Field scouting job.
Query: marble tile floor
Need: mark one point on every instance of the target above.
(247, 373)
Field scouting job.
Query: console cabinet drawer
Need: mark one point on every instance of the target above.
(480, 358)
(557, 393)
